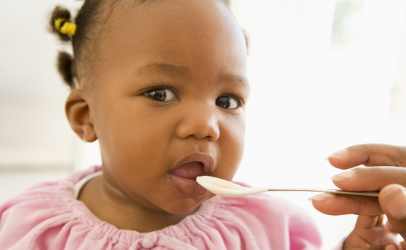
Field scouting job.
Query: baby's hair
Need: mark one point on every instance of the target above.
(86, 21)
(84, 38)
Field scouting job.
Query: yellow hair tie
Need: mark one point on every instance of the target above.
(66, 28)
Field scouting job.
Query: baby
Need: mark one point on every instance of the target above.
(163, 86)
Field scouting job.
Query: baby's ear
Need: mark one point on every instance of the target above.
(78, 113)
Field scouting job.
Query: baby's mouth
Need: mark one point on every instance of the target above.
(183, 178)
(189, 170)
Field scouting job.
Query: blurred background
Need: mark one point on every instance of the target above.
(325, 74)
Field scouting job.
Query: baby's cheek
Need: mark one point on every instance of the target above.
(230, 157)
(237, 142)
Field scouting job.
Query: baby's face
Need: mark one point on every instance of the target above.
(168, 102)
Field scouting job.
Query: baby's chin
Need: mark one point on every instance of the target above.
(188, 207)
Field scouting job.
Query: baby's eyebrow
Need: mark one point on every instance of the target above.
(235, 79)
(155, 68)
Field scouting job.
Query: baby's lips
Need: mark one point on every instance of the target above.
(202, 161)
(189, 170)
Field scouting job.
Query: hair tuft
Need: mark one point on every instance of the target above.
(65, 68)
(59, 12)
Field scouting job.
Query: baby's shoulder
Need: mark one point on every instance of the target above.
(36, 197)
(45, 207)
(48, 193)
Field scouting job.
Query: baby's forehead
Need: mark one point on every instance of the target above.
(128, 5)
(124, 25)
(132, 16)
(119, 8)
(169, 21)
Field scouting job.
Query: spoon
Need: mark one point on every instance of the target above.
(227, 188)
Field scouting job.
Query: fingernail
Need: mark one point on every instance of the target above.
(344, 176)
(322, 197)
(391, 247)
(395, 202)
(338, 155)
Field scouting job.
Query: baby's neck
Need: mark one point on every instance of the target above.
(117, 211)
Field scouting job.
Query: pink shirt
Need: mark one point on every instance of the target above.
(47, 216)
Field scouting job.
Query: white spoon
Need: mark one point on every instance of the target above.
(226, 188)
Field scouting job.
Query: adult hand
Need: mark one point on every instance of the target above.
(385, 171)
(371, 233)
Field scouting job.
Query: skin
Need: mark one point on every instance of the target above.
(191, 48)
(385, 170)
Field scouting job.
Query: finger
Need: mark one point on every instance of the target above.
(368, 222)
(390, 228)
(383, 247)
(346, 204)
(403, 244)
(370, 178)
(369, 155)
(378, 247)
(391, 247)
(393, 202)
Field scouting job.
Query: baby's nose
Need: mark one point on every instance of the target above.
(199, 121)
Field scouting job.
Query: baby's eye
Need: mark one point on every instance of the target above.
(227, 102)
(162, 95)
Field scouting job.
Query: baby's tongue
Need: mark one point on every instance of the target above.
(189, 170)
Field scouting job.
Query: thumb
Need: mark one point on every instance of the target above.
(393, 203)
